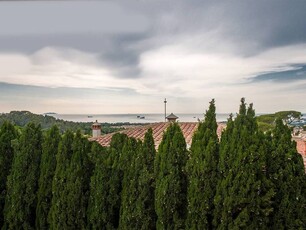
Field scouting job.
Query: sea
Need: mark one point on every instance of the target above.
(134, 118)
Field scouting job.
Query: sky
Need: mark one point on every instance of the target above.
(105, 57)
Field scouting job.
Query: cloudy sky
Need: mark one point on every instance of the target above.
(91, 57)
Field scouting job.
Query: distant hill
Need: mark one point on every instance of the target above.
(22, 118)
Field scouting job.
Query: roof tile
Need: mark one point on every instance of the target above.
(188, 129)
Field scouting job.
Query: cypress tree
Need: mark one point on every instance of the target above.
(145, 215)
(129, 191)
(202, 172)
(244, 193)
(7, 134)
(106, 185)
(286, 171)
(98, 213)
(57, 216)
(110, 181)
(22, 183)
(47, 170)
(171, 182)
(115, 181)
(77, 186)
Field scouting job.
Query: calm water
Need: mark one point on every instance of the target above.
(132, 118)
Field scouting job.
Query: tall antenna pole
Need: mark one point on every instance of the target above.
(165, 101)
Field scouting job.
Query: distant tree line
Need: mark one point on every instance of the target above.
(246, 180)
(22, 118)
(267, 122)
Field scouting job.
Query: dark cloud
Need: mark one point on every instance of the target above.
(266, 23)
(20, 91)
(114, 51)
(247, 27)
(105, 28)
(49, 17)
(299, 73)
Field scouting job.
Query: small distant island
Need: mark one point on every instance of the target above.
(50, 113)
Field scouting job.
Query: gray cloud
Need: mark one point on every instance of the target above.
(167, 46)
(38, 92)
(120, 32)
(27, 18)
(299, 73)
(114, 51)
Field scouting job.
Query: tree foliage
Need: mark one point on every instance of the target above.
(266, 122)
(22, 118)
(106, 184)
(77, 185)
(243, 198)
(99, 215)
(246, 180)
(57, 216)
(144, 164)
(70, 186)
(203, 172)
(129, 193)
(171, 182)
(7, 135)
(285, 170)
(47, 170)
(22, 183)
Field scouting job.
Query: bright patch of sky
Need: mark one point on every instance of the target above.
(127, 56)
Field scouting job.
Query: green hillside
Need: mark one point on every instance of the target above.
(22, 118)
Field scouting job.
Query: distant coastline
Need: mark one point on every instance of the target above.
(134, 118)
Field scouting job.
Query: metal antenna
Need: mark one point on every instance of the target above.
(165, 101)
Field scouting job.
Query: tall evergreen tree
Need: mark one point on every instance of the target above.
(98, 213)
(22, 183)
(144, 167)
(129, 191)
(171, 182)
(116, 162)
(244, 193)
(47, 170)
(106, 185)
(77, 186)
(203, 173)
(57, 216)
(286, 171)
(7, 134)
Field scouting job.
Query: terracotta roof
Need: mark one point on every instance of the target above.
(301, 147)
(188, 129)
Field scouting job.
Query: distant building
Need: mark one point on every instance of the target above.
(172, 118)
(96, 129)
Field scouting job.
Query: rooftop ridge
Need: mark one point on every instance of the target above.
(158, 128)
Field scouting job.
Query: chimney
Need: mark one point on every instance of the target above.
(96, 129)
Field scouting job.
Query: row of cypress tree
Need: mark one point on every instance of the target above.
(245, 180)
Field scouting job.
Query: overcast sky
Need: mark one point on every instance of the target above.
(91, 57)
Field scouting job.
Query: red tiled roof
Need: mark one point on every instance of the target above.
(301, 147)
(188, 129)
